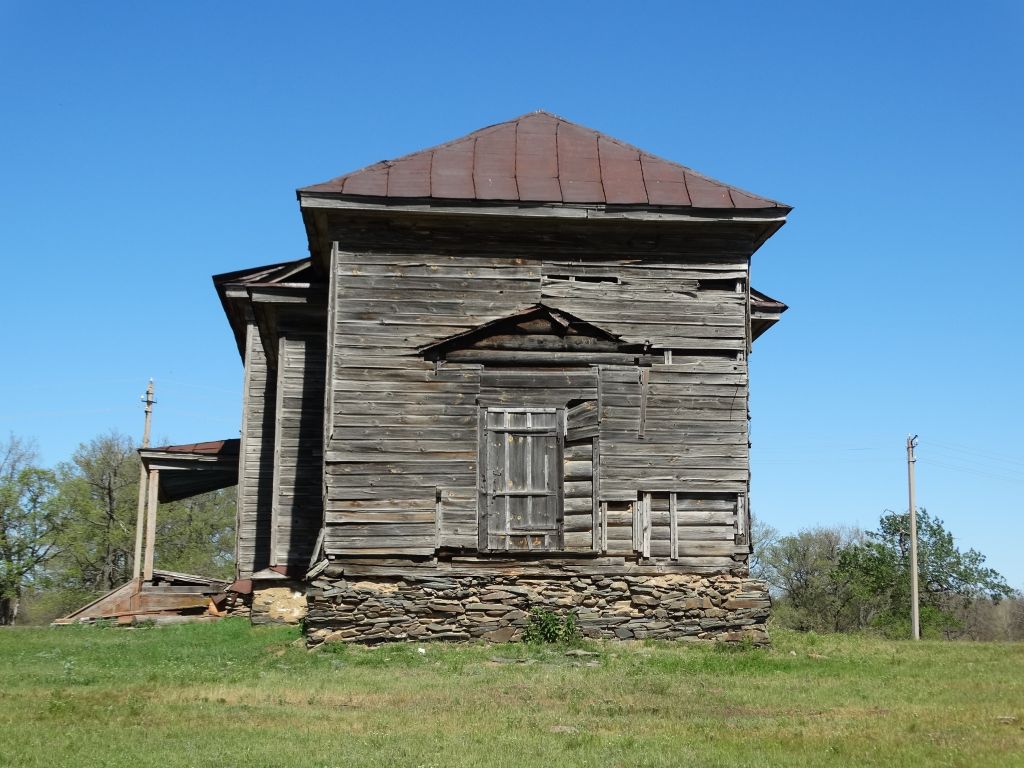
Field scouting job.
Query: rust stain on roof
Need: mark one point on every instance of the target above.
(541, 158)
(766, 303)
(208, 448)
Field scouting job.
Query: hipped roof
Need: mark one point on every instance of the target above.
(542, 158)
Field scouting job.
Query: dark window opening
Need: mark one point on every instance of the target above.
(716, 284)
(585, 278)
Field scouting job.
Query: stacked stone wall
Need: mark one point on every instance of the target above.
(378, 610)
(278, 602)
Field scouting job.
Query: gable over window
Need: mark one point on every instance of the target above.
(532, 333)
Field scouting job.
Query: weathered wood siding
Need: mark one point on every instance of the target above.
(401, 460)
(298, 446)
(256, 458)
(686, 432)
(579, 495)
(660, 304)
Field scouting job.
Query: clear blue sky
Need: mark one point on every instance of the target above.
(145, 147)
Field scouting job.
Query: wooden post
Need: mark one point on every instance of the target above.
(141, 516)
(915, 611)
(604, 527)
(154, 485)
(595, 494)
(645, 377)
(646, 540)
(438, 511)
(673, 527)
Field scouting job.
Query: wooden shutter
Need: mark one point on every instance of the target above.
(521, 479)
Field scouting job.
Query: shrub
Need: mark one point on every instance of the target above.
(546, 626)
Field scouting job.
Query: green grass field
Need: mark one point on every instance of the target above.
(228, 694)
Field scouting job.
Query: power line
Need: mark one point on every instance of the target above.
(971, 471)
(981, 465)
(950, 448)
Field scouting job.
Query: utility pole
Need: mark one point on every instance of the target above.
(141, 517)
(915, 614)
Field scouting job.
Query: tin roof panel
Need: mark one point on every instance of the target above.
(541, 158)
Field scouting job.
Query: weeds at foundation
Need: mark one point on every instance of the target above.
(547, 627)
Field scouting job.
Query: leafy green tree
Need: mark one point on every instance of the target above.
(877, 571)
(197, 535)
(803, 571)
(101, 487)
(30, 515)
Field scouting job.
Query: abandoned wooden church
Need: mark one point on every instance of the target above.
(512, 373)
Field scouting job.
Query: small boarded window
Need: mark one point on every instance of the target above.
(520, 498)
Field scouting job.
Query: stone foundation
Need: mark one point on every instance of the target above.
(278, 602)
(238, 605)
(378, 610)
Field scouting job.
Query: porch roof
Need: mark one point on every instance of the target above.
(192, 468)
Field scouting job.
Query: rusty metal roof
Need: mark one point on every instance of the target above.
(192, 468)
(208, 448)
(764, 312)
(541, 158)
(765, 303)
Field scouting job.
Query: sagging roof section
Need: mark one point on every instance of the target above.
(542, 158)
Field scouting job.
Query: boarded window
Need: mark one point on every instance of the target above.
(521, 479)
(700, 529)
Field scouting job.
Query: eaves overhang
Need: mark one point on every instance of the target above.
(190, 469)
(236, 290)
(764, 312)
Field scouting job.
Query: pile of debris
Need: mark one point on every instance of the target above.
(169, 598)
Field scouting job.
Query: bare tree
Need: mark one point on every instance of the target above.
(763, 537)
